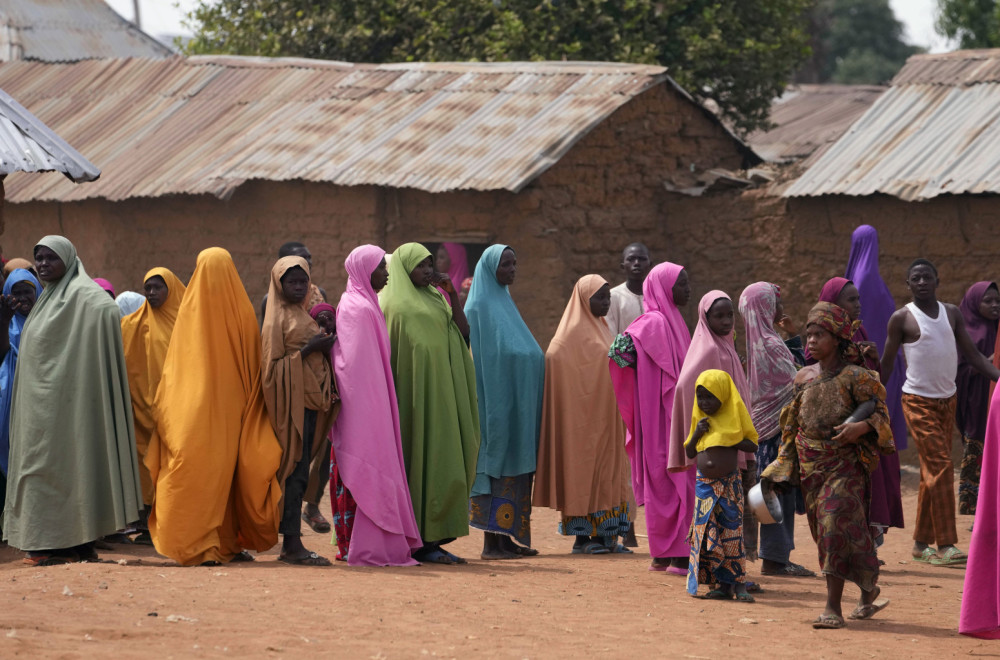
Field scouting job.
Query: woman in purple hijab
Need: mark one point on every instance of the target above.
(980, 308)
(877, 305)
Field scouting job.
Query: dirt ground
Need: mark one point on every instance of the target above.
(137, 604)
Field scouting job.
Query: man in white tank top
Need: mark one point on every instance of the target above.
(931, 334)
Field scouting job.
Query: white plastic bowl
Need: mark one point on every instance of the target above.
(765, 506)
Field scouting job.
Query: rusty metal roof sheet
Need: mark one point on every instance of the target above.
(28, 145)
(809, 118)
(934, 132)
(204, 125)
(70, 30)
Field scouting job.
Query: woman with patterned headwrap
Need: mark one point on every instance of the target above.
(436, 390)
(832, 456)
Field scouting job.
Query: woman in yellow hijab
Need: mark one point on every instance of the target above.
(146, 336)
(299, 394)
(213, 458)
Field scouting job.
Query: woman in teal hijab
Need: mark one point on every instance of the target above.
(19, 294)
(436, 391)
(510, 376)
(73, 476)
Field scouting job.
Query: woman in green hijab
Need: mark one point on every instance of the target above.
(436, 390)
(73, 476)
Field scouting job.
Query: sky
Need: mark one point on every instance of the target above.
(162, 18)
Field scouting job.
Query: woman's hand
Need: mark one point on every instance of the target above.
(850, 432)
(8, 305)
(321, 342)
(869, 350)
(786, 324)
(443, 281)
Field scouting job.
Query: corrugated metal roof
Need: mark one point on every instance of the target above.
(934, 132)
(207, 124)
(808, 118)
(70, 30)
(28, 145)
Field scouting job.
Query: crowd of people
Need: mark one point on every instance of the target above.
(425, 405)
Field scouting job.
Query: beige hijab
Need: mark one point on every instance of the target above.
(292, 384)
(581, 452)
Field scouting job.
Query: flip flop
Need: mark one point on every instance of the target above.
(717, 594)
(754, 588)
(659, 567)
(47, 560)
(951, 557)
(525, 552)
(435, 556)
(311, 560)
(828, 622)
(620, 549)
(242, 556)
(926, 555)
(790, 570)
(745, 598)
(869, 610)
(677, 570)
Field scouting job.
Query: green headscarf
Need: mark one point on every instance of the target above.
(436, 388)
(73, 475)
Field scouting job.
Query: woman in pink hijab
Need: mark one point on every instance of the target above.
(366, 437)
(644, 381)
(712, 347)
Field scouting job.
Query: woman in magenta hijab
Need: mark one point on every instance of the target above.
(366, 436)
(981, 309)
(886, 509)
(453, 260)
(644, 380)
(980, 615)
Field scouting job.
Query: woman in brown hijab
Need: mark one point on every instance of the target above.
(581, 453)
(299, 394)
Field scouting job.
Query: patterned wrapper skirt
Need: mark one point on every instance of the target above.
(718, 555)
(506, 510)
(344, 509)
(608, 524)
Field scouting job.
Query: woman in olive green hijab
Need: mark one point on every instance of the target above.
(73, 476)
(436, 388)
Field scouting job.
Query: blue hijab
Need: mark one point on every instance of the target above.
(10, 360)
(510, 376)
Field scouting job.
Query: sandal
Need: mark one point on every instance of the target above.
(47, 560)
(317, 522)
(595, 548)
(754, 588)
(790, 570)
(455, 559)
(745, 598)
(620, 549)
(312, 559)
(718, 594)
(829, 622)
(869, 610)
(525, 552)
(926, 555)
(242, 556)
(951, 557)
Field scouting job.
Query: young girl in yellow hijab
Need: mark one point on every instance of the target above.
(720, 428)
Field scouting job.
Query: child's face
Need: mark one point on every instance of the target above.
(720, 317)
(707, 401)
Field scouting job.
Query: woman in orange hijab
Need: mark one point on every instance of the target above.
(146, 336)
(213, 457)
(299, 394)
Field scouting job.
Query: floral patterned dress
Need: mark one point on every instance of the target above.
(835, 477)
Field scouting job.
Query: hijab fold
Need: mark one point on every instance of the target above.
(581, 454)
(72, 474)
(291, 382)
(214, 455)
(366, 438)
(770, 365)
(145, 338)
(510, 376)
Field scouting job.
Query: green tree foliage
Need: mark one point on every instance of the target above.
(974, 23)
(738, 53)
(855, 42)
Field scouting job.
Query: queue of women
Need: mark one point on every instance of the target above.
(182, 421)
